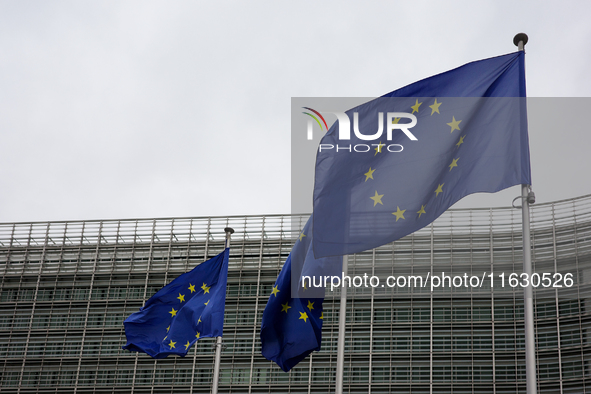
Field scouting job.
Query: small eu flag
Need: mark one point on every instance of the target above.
(470, 136)
(187, 309)
(292, 321)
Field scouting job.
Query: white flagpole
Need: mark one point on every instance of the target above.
(530, 340)
(530, 343)
(218, 340)
(341, 338)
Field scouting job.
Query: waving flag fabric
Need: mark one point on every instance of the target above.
(292, 321)
(471, 136)
(187, 309)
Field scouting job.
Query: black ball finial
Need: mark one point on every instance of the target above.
(520, 37)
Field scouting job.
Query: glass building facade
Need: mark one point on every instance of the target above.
(66, 288)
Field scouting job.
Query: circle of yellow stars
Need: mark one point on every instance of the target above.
(173, 312)
(369, 175)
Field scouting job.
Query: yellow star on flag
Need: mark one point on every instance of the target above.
(415, 108)
(171, 344)
(310, 305)
(181, 297)
(461, 141)
(377, 199)
(199, 321)
(303, 316)
(454, 124)
(378, 148)
(205, 288)
(167, 328)
(173, 312)
(192, 288)
(421, 211)
(435, 107)
(439, 190)
(399, 213)
(369, 174)
(322, 316)
(285, 307)
(302, 235)
(275, 291)
(187, 345)
(205, 303)
(454, 163)
(198, 335)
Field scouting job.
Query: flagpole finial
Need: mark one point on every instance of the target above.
(520, 40)
(229, 231)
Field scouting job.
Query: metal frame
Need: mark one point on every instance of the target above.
(65, 288)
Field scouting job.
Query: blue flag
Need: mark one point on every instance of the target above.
(292, 320)
(469, 135)
(187, 309)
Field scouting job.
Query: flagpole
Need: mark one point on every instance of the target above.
(218, 340)
(341, 338)
(527, 197)
(530, 344)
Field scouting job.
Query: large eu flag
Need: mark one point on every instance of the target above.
(187, 309)
(292, 320)
(471, 136)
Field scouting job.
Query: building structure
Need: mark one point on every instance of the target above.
(66, 288)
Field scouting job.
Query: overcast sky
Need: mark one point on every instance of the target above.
(139, 109)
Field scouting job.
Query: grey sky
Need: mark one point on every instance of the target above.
(152, 109)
